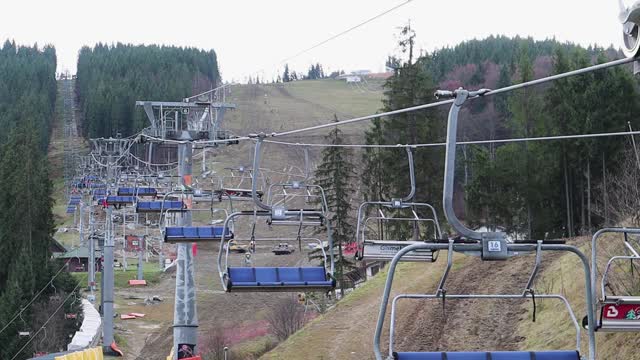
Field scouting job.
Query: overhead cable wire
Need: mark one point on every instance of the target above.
(344, 32)
(199, 142)
(22, 309)
(474, 142)
(317, 45)
(450, 101)
(48, 284)
(46, 322)
(417, 107)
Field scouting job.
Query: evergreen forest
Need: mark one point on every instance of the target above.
(32, 284)
(530, 189)
(111, 78)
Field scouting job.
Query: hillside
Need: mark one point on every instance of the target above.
(346, 331)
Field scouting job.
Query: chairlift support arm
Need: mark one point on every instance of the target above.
(460, 97)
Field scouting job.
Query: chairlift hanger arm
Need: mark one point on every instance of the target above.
(412, 175)
(256, 165)
(460, 97)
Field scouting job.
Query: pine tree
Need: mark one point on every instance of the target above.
(386, 172)
(335, 174)
(286, 77)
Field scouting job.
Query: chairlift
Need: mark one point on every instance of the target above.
(137, 191)
(237, 192)
(23, 332)
(282, 213)
(618, 313)
(385, 250)
(182, 234)
(99, 194)
(490, 247)
(276, 279)
(159, 206)
(119, 201)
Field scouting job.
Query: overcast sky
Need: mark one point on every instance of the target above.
(253, 36)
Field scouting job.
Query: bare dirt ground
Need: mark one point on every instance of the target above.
(467, 324)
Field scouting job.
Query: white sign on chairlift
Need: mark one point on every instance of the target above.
(494, 246)
(279, 212)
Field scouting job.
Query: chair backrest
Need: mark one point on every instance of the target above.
(206, 232)
(266, 274)
(242, 274)
(313, 273)
(190, 232)
(290, 274)
(173, 231)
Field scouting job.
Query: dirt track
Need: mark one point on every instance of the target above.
(467, 324)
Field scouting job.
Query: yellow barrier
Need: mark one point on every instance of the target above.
(170, 357)
(89, 354)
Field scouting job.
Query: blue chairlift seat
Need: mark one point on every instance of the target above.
(278, 279)
(157, 206)
(71, 209)
(137, 191)
(120, 200)
(98, 186)
(74, 201)
(492, 355)
(99, 193)
(173, 234)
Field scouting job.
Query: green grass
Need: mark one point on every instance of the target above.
(253, 348)
(337, 94)
(150, 271)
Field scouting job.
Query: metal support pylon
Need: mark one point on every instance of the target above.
(185, 314)
(107, 287)
(187, 122)
(92, 253)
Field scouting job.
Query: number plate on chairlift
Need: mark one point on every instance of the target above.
(386, 250)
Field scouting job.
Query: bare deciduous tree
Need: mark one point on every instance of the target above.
(622, 192)
(54, 336)
(286, 318)
(620, 205)
(214, 344)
